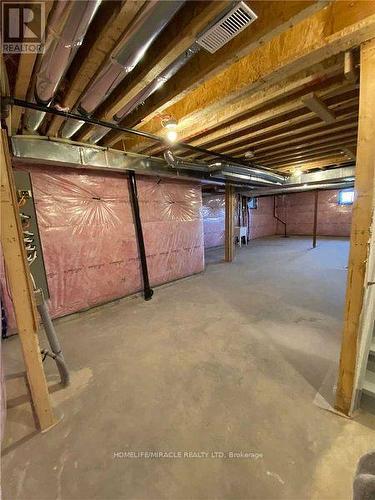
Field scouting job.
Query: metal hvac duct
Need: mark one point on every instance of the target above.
(130, 50)
(300, 188)
(241, 172)
(65, 32)
(139, 99)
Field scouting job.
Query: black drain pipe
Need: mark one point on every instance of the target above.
(276, 217)
(147, 290)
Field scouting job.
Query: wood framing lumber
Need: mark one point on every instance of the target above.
(18, 274)
(363, 212)
(229, 223)
(318, 107)
(24, 74)
(274, 17)
(340, 27)
(121, 16)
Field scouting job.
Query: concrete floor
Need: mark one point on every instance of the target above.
(230, 360)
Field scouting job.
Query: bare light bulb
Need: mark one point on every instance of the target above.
(171, 135)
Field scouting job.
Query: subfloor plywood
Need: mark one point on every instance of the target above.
(227, 361)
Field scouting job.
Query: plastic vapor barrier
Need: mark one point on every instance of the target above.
(213, 210)
(88, 236)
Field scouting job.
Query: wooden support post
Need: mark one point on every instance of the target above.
(229, 214)
(360, 232)
(22, 295)
(316, 200)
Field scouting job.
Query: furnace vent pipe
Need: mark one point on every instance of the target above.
(65, 33)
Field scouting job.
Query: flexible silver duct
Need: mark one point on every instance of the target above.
(130, 50)
(140, 98)
(65, 32)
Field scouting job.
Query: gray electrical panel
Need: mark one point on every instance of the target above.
(30, 230)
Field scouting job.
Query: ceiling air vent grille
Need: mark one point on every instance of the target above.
(227, 27)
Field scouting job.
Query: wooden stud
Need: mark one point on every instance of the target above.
(363, 209)
(18, 275)
(229, 222)
(318, 107)
(315, 224)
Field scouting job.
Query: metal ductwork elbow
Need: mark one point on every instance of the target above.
(65, 33)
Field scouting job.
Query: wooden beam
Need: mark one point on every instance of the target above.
(24, 72)
(18, 274)
(363, 211)
(339, 27)
(274, 17)
(120, 17)
(229, 223)
(350, 70)
(318, 107)
(315, 223)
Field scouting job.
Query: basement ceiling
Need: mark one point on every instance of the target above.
(298, 115)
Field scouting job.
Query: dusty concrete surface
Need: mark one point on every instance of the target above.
(227, 361)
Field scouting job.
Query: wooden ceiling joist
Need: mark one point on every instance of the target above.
(24, 75)
(339, 27)
(122, 15)
(321, 163)
(175, 39)
(274, 17)
(335, 144)
(299, 140)
(259, 119)
(351, 154)
(251, 144)
(287, 127)
(310, 156)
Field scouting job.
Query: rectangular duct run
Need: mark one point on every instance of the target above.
(237, 19)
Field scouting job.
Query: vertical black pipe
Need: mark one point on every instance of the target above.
(315, 224)
(276, 217)
(147, 290)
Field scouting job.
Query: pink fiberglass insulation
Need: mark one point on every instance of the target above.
(213, 210)
(261, 220)
(88, 236)
(298, 208)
